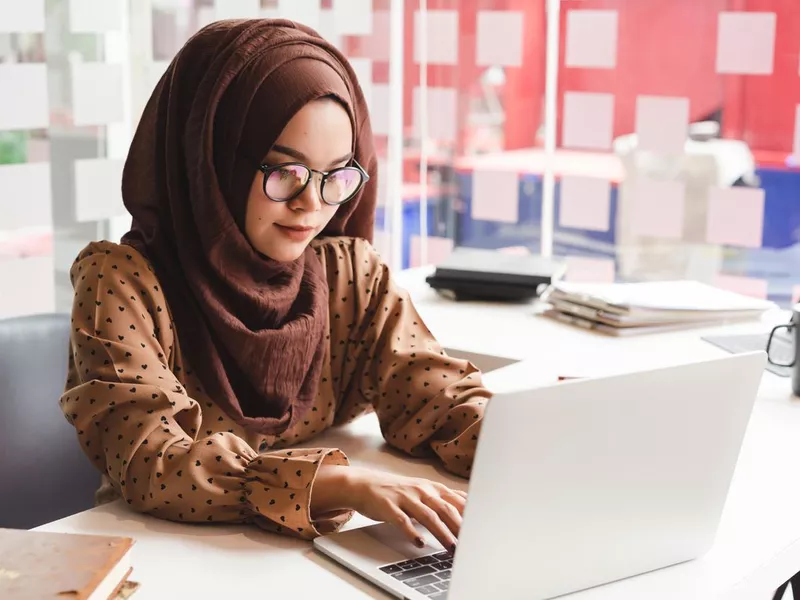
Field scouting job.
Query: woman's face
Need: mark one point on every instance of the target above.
(319, 136)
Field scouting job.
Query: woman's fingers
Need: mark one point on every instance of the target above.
(406, 526)
(448, 513)
(456, 499)
(430, 519)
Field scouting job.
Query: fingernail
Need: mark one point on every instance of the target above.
(419, 542)
(453, 549)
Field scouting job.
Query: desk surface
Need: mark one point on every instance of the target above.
(757, 546)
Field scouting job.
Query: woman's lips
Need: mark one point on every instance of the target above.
(297, 233)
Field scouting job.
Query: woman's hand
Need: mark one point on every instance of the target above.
(391, 498)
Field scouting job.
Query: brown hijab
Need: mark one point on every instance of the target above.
(253, 328)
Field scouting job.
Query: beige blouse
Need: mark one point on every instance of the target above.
(144, 420)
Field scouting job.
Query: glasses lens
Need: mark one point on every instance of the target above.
(780, 350)
(285, 183)
(341, 185)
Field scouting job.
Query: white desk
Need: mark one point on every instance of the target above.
(757, 547)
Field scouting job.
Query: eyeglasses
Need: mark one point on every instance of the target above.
(286, 181)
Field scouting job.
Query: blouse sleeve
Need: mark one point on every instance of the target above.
(138, 425)
(425, 400)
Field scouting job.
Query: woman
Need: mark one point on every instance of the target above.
(245, 312)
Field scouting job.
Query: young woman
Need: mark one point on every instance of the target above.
(245, 312)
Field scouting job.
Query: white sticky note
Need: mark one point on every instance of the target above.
(746, 43)
(95, 16)
(748, 286)
(98, 189)
(585, 269)
(662, 124)
(27, 107)
(382, 242)
(29, 286)
(379, 109)
(442, 37)
(499, 38)
(353, 17)
(155, 71)
(442, 106)
(306, 12)
(327, 28)
(26, 199)
(735, 216)
(495, 196)
(21, 16)
(363, 69)
(236, 9)
(588, 121)
(592, 39)
(97, 93)
(797, 132)
(658, 208)
(438, 249)
(585, 203)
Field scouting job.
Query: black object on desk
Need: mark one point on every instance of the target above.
(478, 274)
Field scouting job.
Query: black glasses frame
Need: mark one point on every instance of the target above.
(789, 328)
(267, 170)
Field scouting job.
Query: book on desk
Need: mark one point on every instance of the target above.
(623, 309)
(40, 565)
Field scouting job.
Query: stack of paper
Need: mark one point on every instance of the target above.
(631, 308)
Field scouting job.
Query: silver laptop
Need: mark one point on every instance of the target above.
(579, 484)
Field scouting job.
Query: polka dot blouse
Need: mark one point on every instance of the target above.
(164, 446)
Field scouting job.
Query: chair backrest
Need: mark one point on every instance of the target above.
(44, 474)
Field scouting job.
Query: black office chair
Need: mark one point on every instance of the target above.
(44, 475)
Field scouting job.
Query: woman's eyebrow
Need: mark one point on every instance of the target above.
(297, 155)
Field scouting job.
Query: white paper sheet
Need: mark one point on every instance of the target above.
(29, 286)
(27, 107)
(746, 43)
(495, 196)
(306, 12)
(499, 38)
(236, 9)
(442, 106)
(442, 37)
(98, 189)
(21, 16)
(592, 39)
(26, 200)
(588, 121)
(658, 208)
(585, 203)
(97, 93)
(353, 17)
(662, 124)
(95, 16)
(735, 216)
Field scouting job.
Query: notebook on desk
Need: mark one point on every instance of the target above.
(42, 565)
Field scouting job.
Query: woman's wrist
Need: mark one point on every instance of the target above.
(332, 489)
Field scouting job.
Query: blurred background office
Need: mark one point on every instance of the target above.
(639, 139)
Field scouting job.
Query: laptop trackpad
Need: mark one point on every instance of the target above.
(378, 544)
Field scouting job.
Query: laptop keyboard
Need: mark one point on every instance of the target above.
(428, 575)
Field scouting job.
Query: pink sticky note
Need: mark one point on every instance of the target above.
(499, 38)
(442, 37)
(746, 43)
(796, 294)
(748, 286)
(662, 123)
(495, 196)
(441, 105)
(588, 120)
(658, 208)
(735, 216)
(583, 269)
(379, 109)
(591, 39)
(439, 248)
(585, 203)
(797, 131)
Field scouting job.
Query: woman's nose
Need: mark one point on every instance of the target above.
(310, 199)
